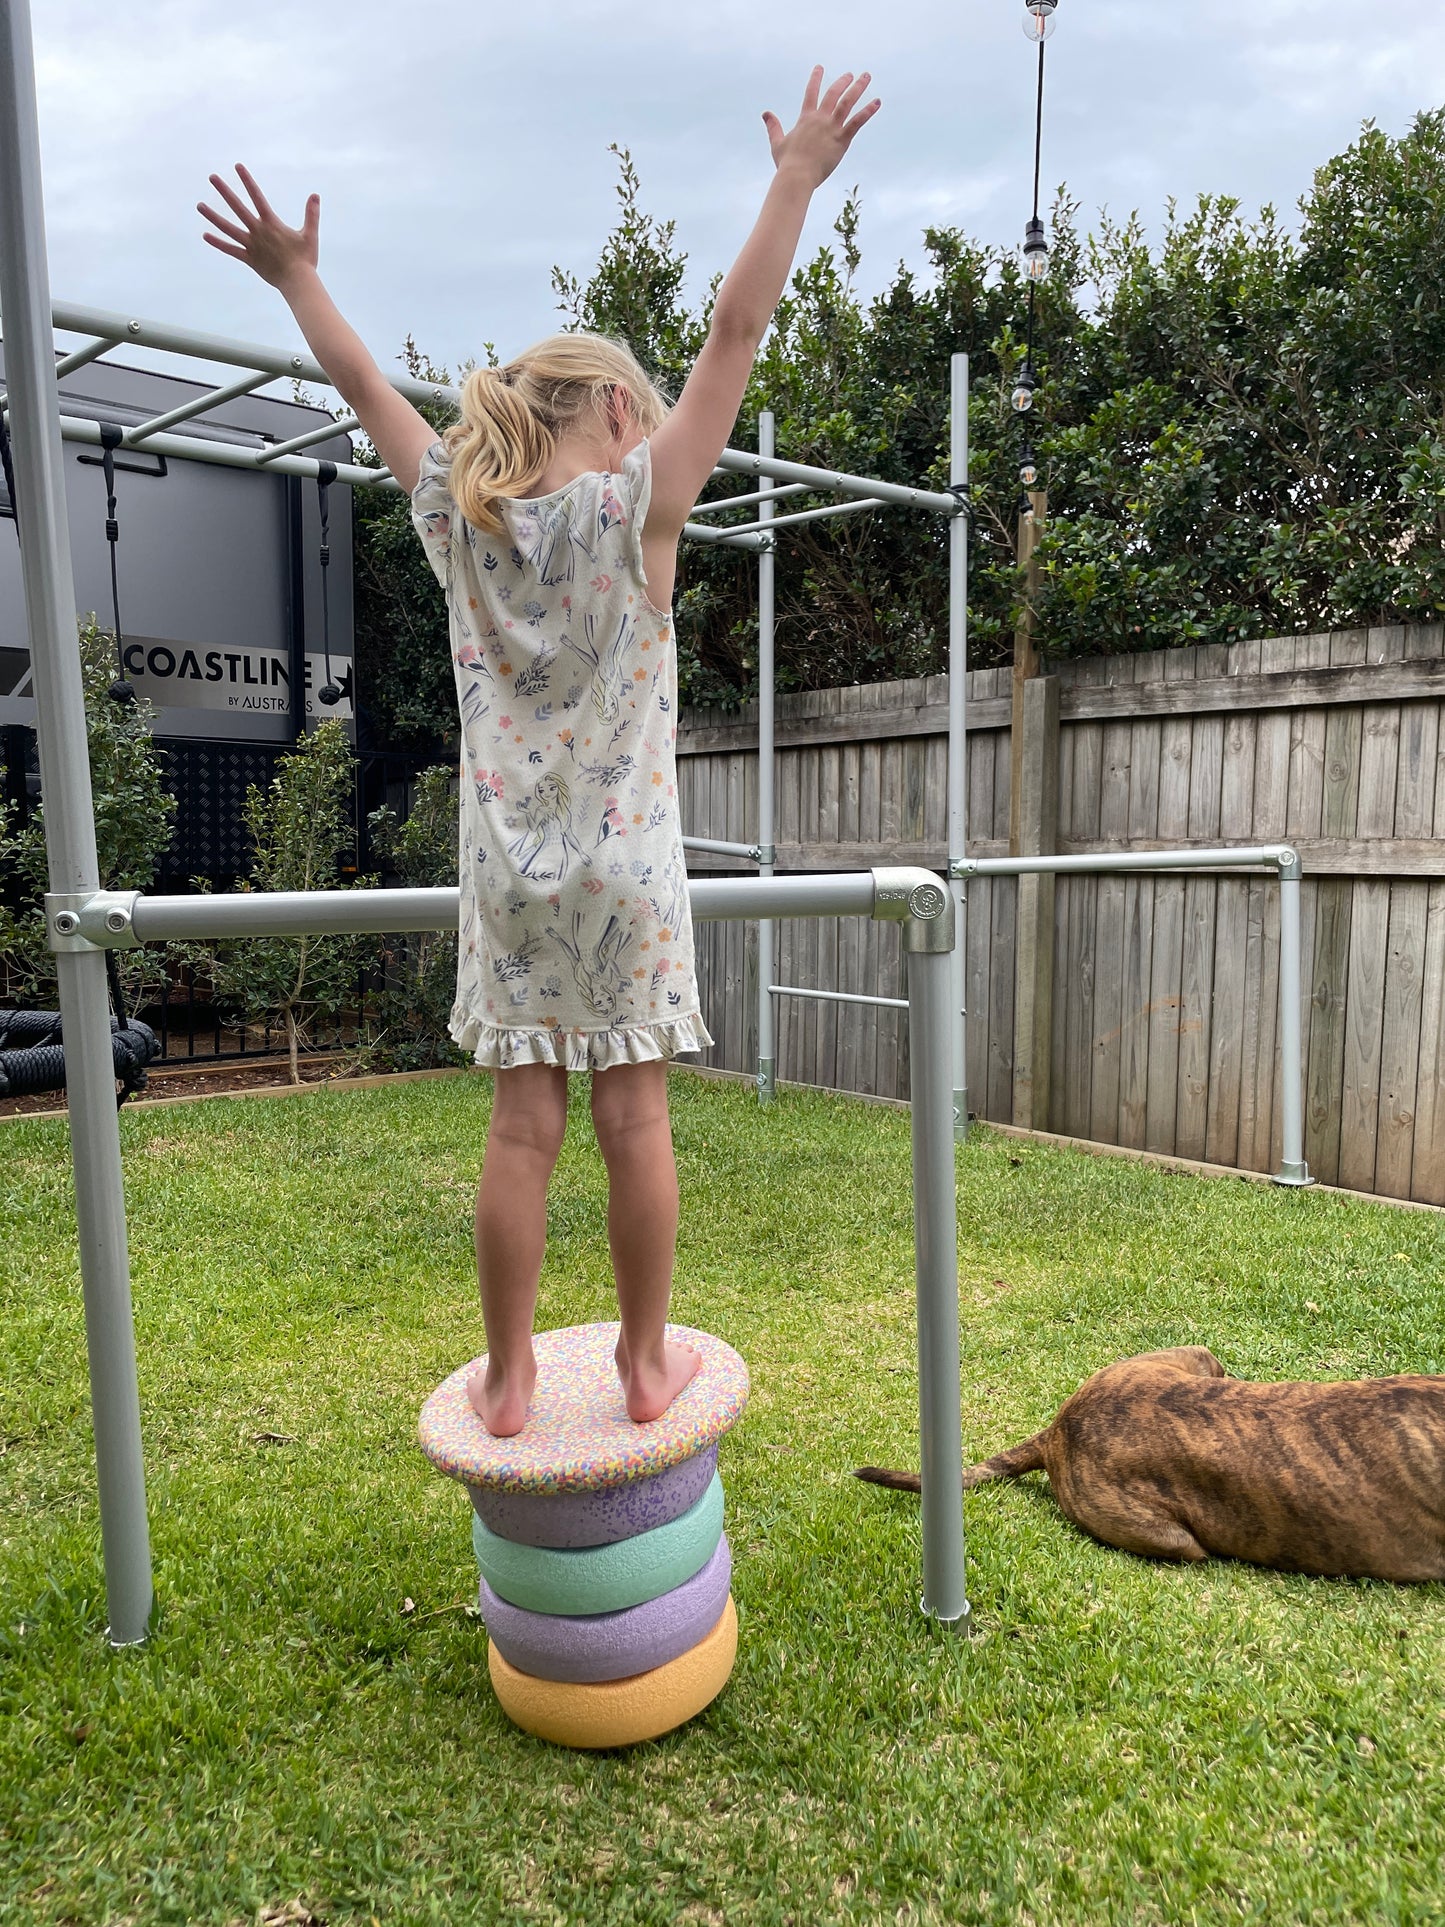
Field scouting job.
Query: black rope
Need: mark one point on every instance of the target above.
(330, 691)
(32, 1053)
(111, 437)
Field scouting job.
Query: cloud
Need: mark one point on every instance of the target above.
(459, 157)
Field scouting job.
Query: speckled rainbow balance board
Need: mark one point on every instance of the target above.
(605, 1572)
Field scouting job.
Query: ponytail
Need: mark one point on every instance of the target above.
(514, 416)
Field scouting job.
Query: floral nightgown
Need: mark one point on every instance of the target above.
(576, 939)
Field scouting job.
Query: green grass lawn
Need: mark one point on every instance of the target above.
(1128, 1741)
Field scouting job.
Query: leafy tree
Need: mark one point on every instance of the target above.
(419, 971)
(134, 814)
(301, 829)
(1242, 431)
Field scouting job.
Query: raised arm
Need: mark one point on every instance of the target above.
(686, 447)
(286, 257)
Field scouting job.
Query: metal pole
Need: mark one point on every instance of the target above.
(767, 1049)
(70, 836)
(935, 1233)
(1293, 1169)
(957, 730)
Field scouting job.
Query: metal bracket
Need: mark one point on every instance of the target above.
(1297, 1175)
(963, 867)
(1289, 865)
(81, 920)
(918, 899)
(764, 853)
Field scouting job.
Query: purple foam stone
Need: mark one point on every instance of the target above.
(605, 1517)
(605, 1646)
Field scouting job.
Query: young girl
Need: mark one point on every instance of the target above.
(551, 514)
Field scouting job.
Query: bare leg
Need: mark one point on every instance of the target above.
(634, 1132)
(529, 1119)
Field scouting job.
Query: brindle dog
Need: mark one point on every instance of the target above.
(1167, 1455)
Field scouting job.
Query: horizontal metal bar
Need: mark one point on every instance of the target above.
(745, 501)
(92, 351)
(813, 515)
(236, 354)
(749, 850)
(835, 483)
(198, 405)
(72, 318)
(194, 448)
(1273, 856)
(738, 538)
(342, 426)
(281, 913)
(838, 996)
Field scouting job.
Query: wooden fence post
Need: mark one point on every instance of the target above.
(1026, 656)
(1038, 835)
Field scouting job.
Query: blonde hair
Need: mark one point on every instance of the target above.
(514, 416)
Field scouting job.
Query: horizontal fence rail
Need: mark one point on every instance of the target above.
(1163, 1033)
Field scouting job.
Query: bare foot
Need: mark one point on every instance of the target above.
(648, 1389)
(500, 1399)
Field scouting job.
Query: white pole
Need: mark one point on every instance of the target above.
(70, 838)
(957, 728)
(767, 1049)
(1293, 1169)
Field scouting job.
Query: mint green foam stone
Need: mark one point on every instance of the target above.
(603, 1579)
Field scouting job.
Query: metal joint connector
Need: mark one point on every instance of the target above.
(917, 898)
(764, 853)
(963, 867)
(91, 920)
(63, 932)
(1289, 864)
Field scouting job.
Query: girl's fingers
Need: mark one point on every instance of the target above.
(237, 254)
(263, 206)
(854, 94)
(835, 93)
(810, 92)
(233, 200)
(226, 227)
(861, 120)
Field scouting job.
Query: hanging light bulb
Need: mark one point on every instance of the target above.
(1036, 250)
(329, 693)
(122, 692)
(1039, 19)
(1028, 469)
(1022, 398)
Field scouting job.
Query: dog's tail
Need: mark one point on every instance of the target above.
(1028, 1457)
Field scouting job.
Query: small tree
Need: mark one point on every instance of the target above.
(301, 829)
(134, 815)
(420, 971)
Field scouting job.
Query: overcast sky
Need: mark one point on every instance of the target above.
(461, 151)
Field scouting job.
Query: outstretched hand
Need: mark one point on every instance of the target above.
(262, 240)
(824, 129)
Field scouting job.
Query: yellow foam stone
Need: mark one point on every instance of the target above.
(620, 1712)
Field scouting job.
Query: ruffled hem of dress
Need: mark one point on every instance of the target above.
(495, 1047)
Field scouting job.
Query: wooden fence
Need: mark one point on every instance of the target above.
(1164, 1032)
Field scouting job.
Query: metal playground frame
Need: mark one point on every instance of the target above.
(85, 922)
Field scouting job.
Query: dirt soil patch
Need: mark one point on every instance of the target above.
(191, 1079)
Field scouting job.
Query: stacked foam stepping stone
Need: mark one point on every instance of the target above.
(605, 1571)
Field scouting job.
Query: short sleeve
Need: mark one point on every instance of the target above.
(432, 510)
(637, 484)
